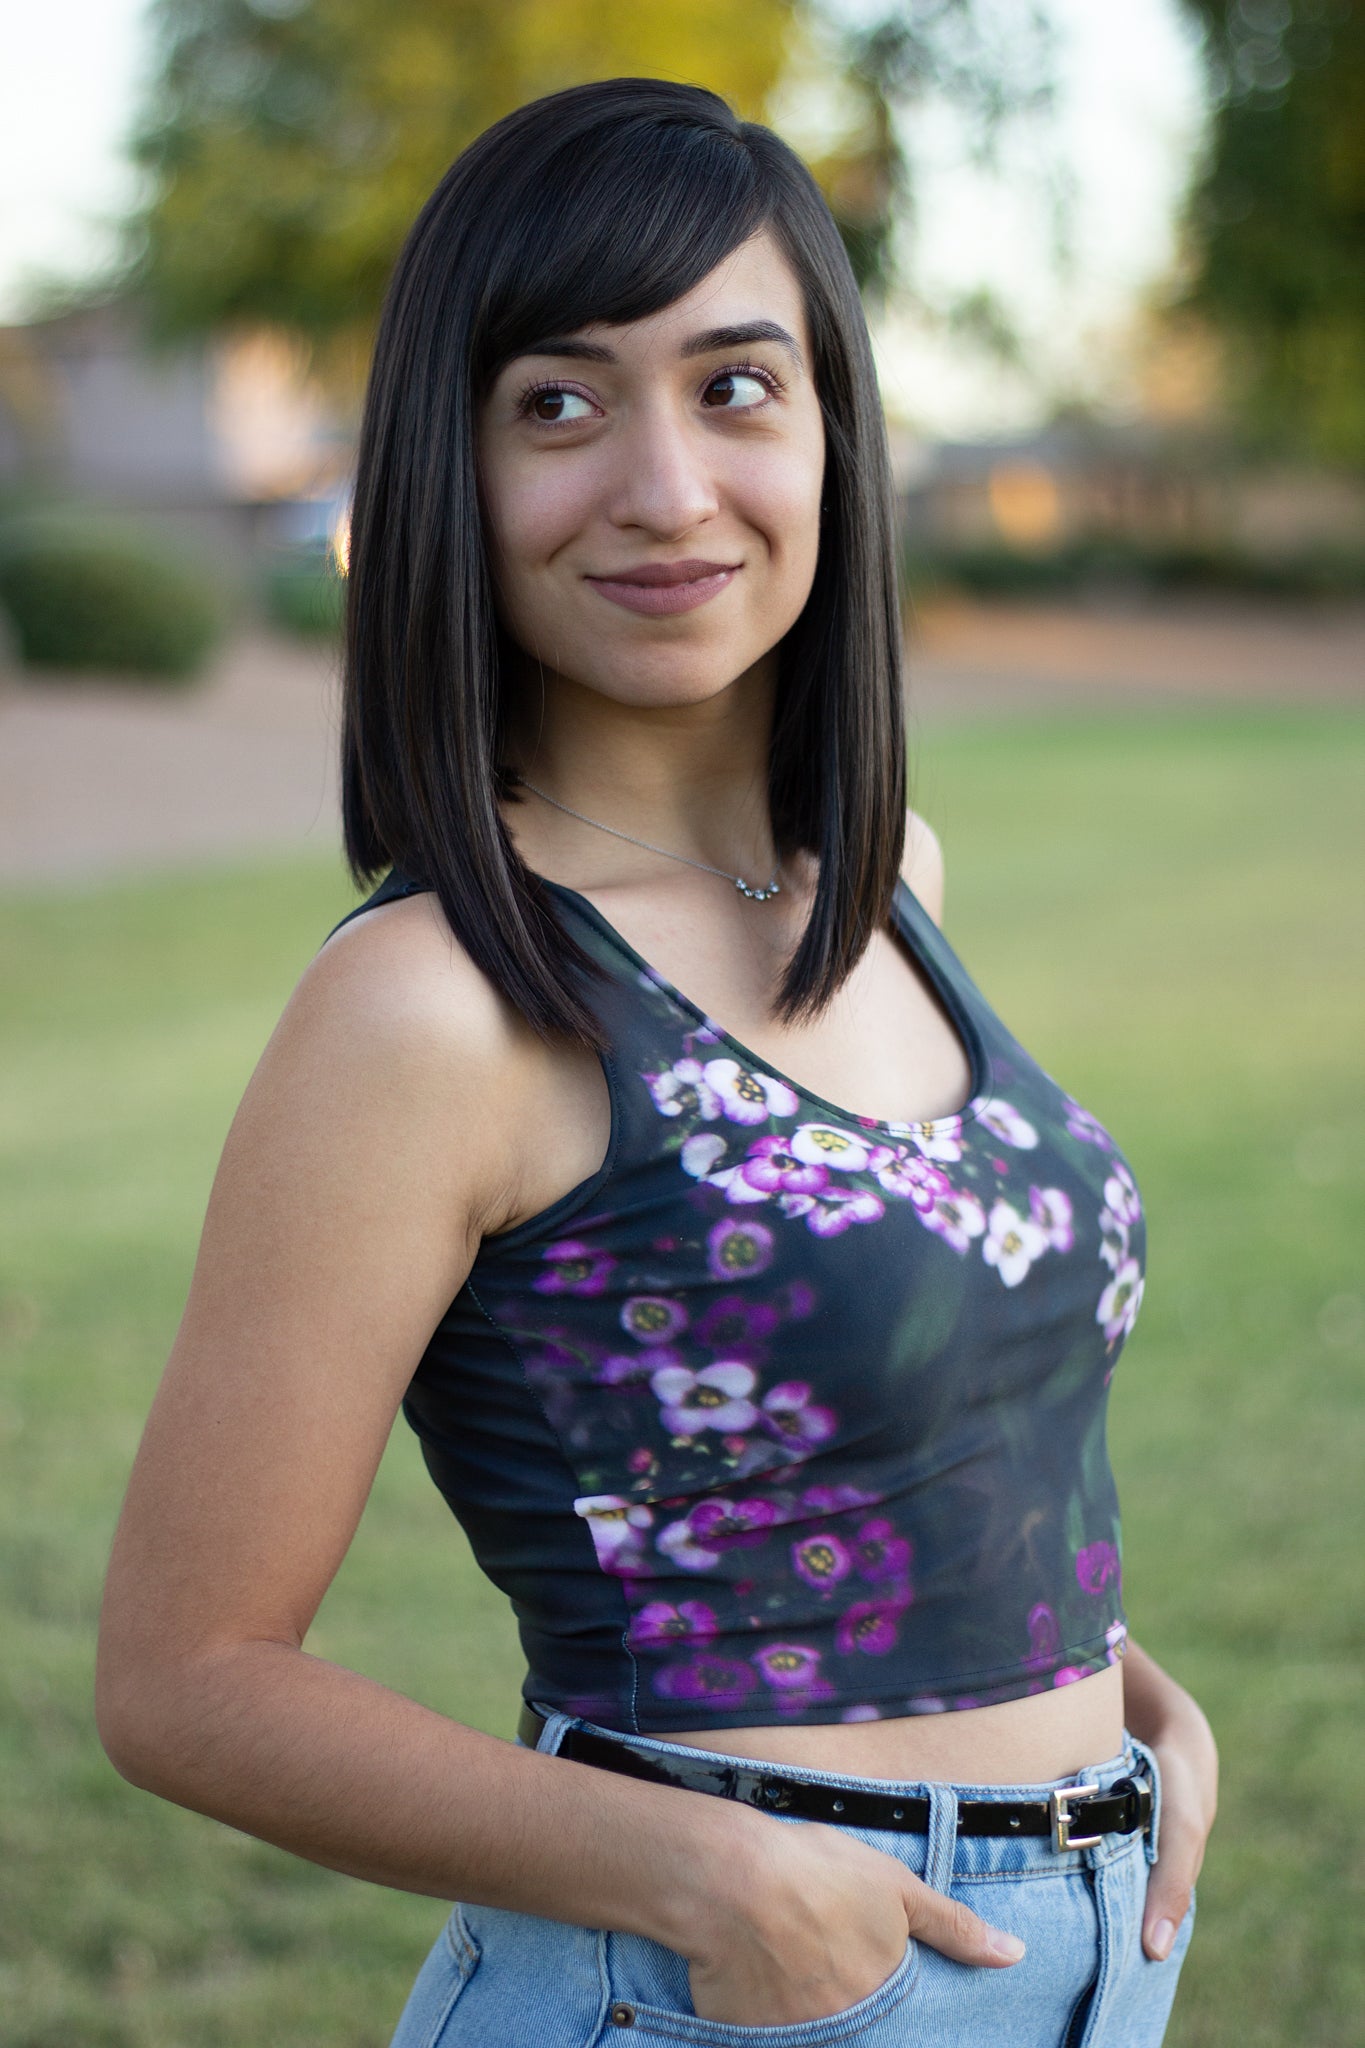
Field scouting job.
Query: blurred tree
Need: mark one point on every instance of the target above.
(1276, 218)
(289, 144)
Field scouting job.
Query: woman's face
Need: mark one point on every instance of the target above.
(651, 491)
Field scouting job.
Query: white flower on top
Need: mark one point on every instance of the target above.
(747, 1097)
(827, 1145)
(682, 1086)
(1013, 1242)
(1003, 1120)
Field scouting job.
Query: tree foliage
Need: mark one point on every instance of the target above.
(1276, 218)
(289, 144)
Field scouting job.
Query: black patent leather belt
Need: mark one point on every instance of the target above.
(1075, 1816)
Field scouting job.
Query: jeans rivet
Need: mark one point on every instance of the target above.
(623, 2015)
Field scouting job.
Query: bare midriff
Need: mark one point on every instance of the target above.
(1047, 1735)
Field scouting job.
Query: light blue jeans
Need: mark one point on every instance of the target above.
(502, 1979)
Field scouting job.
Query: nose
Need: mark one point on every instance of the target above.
(662, 483)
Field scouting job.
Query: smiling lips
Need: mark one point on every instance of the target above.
(662, 588)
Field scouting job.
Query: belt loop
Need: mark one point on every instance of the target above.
(940, 1853)
(552, 1734)
(1152, 1843)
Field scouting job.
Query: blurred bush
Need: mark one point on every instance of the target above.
(83, 592)
(304, 593)
(996, 570)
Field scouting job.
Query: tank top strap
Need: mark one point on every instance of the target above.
(396, 883)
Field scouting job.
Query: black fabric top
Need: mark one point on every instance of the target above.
(787, 1414)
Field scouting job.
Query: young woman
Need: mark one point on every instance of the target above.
(753, 1293)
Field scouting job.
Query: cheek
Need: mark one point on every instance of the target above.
(532, 513)
(778, 493)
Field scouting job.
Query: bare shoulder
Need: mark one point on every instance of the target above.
(394, 1024)
(922, 864)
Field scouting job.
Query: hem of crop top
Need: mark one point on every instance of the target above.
(973, 1044)
(960, 1695)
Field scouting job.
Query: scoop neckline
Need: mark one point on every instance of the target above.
(978, 1057)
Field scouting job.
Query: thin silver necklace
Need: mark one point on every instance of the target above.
(773, 888)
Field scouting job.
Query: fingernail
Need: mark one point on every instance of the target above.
(1163, 1934)
(1007, 1945)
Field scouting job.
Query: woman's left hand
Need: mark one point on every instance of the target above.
(1164, 1716)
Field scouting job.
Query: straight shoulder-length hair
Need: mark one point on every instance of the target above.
(602, 203)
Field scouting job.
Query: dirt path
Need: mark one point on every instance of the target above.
(101, 779)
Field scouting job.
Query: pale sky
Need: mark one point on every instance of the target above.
(1130, 117)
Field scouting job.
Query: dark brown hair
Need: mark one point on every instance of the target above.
(604, 203)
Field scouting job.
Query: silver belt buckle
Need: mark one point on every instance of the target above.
(1060, 1802)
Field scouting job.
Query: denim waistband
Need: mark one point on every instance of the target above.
(965, 1856)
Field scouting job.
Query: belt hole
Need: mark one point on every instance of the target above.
(898, 1813)
(838, 1806)
(1014, 1820)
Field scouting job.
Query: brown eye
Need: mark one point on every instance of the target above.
(552, 405)
(737, 390)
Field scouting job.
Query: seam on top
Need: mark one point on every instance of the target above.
(504, 1338)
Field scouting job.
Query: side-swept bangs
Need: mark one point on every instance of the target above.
(603, 203)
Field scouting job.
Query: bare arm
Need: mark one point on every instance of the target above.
(377, 1140)
(1167, 1718)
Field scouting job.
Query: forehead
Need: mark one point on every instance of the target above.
(754, 283)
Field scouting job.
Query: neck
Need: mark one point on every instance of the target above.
(691, 778)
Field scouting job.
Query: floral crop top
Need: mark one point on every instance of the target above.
(787, 1414)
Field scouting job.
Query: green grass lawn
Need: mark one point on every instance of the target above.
(1167, 907)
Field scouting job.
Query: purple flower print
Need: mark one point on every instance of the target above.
(822, 1560)
(700, 1154)
(939, 1139)
(796, 1300)
(785, 1665)
(1050, 1209)
(738, 1250)
(714, 1398)
(908, 1175)
(1115, 1642)
(732, 1323)
(879, 1553)
(832, 1500)
(642, 1459)
(623, 1368)
(1096, 1566)
(869, 1626)
(837, 1209)
(1113, 1241)
(1003, 1121)
(617, 1526)
(1013, 1243)
(747, 1097)
(1088, 1128)
(722, 1680)
(1120, 1301)
(1068, 1674)
(773, 1168)
(732, 1524)
(957, 1217)
(712, 1527)
(827, 1145)
(1121, 1195)
(660, 1621)
(653, 1318)
(1044, 1636)
(574, 1268)
(683, 1087)
(863, 1711)
(793, 1418)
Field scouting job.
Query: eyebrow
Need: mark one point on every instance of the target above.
(704, 344)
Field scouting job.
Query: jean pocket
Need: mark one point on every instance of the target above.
(651, 2001)
(440, 1984)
